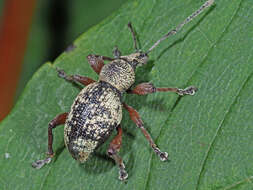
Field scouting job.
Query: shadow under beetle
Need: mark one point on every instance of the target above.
(97, 110)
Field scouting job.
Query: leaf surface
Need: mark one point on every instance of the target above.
(208, 136)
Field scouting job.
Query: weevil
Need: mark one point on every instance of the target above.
(97, 110)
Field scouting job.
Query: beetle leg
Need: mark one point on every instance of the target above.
(58, 120)
(113, 153)
(134, 115)
(97, 62)
(148, 88)
(75, 78)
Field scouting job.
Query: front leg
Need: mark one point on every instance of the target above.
(75, 78)
(134, 115)
(148, 88)
(97, 62)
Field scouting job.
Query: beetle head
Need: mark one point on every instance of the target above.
(136, 59)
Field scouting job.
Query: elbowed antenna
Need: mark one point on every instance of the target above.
(187, 20)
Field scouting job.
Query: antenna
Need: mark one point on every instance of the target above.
(187, 20)
(133, 35)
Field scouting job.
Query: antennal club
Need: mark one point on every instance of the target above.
(187, 20)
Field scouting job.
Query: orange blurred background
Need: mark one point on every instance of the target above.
(35, 31)
(14, 32)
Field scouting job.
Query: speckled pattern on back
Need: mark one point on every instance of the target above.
(95, 113)
(118, 73)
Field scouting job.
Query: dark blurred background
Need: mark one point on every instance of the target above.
(35, 31)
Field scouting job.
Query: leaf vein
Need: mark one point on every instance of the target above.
(220, 126)
(248, 179)
(229, 108)
(194, 73)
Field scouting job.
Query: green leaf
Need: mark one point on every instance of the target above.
(208, 136)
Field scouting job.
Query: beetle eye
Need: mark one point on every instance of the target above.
(134, 62)
(142, 55)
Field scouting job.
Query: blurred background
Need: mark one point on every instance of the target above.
(35, 31)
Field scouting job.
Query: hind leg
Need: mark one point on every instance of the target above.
(113, 153)
(58, 120)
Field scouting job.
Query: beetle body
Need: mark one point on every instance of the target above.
(97, 110)
(95, 113)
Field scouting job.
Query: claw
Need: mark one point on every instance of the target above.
(123, 175)
(116, 52)
(163, 156)
(62, 74)
(191, 90)
(40, 163)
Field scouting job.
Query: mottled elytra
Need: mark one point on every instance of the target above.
(97, 110)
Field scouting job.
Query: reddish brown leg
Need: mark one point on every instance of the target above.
(58, 120)
(134, 115)
(75, 78)
(113, 153)
(148, 88)
(97, 62)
